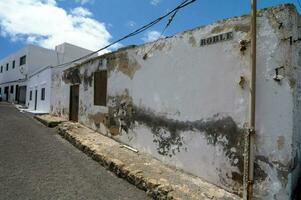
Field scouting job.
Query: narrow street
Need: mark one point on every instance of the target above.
(36, 163)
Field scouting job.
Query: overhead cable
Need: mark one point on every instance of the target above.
(139, 30)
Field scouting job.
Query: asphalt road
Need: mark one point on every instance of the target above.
(36, 163)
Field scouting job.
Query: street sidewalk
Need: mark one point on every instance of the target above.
(149, 174)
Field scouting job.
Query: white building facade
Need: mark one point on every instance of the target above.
(39, 83)
(25, 76)
(14, 70)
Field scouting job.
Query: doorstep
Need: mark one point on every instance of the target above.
(49, 120)
(158, 180)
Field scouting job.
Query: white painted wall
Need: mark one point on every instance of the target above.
(36, 59)
(182, 84)
(43, 78)
(37, 82)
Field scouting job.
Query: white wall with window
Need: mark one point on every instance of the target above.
(39, 91)
(29, 67)
(15, 69)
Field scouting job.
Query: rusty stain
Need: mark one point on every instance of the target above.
(242, 82)
(122, 62)
(280, 142)
(114, 131)
(98, 118)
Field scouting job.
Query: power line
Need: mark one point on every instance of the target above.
(163, 31)
(139, 30)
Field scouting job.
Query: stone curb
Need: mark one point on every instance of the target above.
(49, 122)
(156, 187)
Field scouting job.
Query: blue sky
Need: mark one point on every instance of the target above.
(95, 23)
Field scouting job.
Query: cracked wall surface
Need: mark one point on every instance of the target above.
(187, 104)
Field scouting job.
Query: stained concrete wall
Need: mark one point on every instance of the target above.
(59, 103)
(187, 104)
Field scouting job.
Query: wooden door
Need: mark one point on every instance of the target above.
(74, 103)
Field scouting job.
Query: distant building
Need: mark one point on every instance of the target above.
(185, 100)
(25, 75)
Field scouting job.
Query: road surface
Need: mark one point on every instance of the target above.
(36, 163)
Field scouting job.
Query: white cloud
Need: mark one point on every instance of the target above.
(131, 23)
(155, 2)
(151, 36)
(82, 2)
(43, 23)
(81, 12)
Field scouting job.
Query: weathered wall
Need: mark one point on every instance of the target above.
(187, 104)
(296, 147)
(60, 94)
(275, 118)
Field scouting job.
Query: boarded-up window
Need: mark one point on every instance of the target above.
(100, 88)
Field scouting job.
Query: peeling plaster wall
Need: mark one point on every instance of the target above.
(187, 104)
(59, 99)
(296, 63)
(276, 105)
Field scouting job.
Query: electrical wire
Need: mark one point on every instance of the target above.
(139, 30)
(163, 31)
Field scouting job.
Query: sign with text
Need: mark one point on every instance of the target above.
(217, 38)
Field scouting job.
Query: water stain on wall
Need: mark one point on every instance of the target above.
(71, 76)
(280, 142)
(98, 118)
(87, 80)
(122, 62)
(168, 133)
(283, 170)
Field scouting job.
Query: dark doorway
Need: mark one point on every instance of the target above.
(36, 100)
(6, 91)
(22, 95)
(74, 103)
(17, 94)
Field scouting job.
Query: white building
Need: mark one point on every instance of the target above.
(24, 75)
(14, 70)
(187, 101)
(39, 82)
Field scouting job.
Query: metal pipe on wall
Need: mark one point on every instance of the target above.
(252, 99)
(250, 136)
